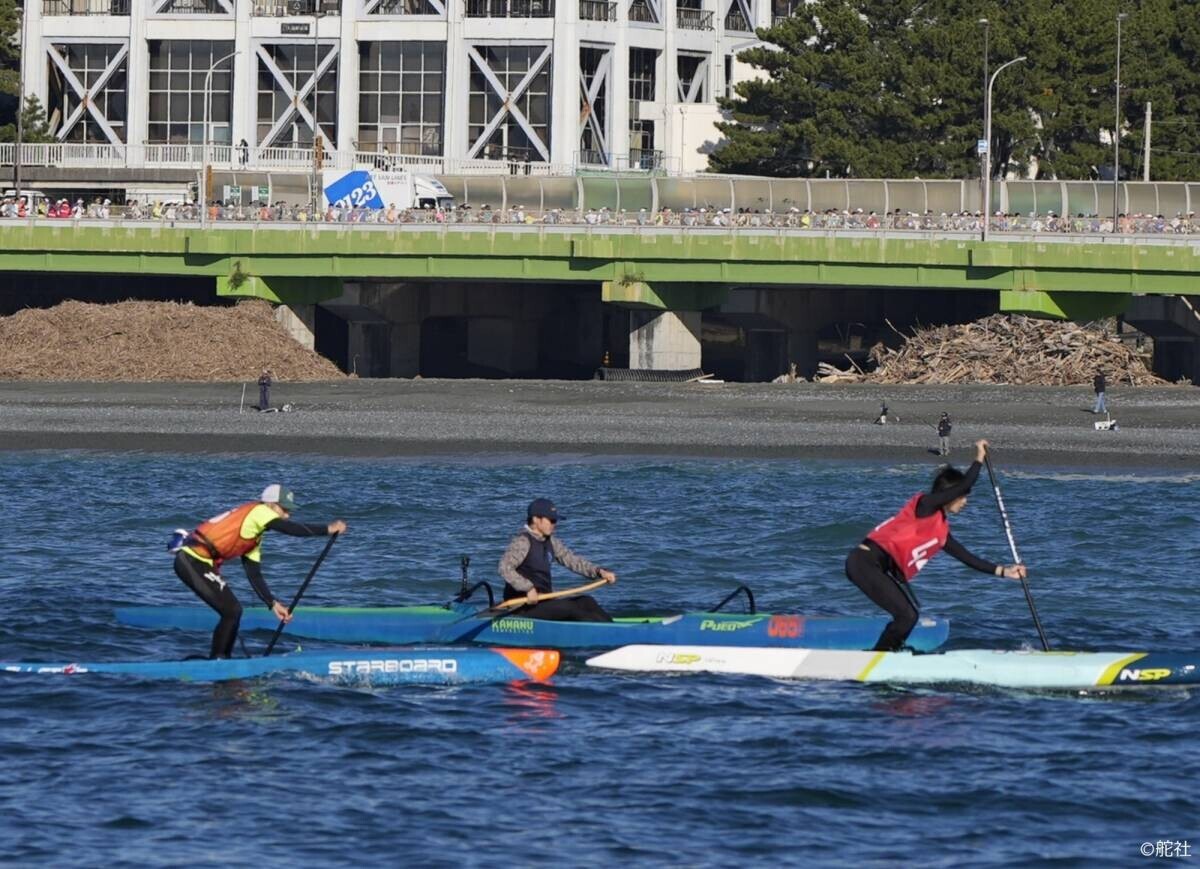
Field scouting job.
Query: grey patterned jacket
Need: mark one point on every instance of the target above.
(518, 548)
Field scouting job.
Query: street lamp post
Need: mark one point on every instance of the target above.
(984, 180)
(987, 134)
(29, 206)
(316, 171)
(1117, 131)
(204, 191)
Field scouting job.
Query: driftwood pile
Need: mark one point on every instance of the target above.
(161, 341)
(1002, 348)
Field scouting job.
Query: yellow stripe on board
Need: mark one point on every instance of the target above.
(862, 677)
(1111, 671)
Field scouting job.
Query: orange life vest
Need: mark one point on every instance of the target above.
(220, 538)
(910, 539)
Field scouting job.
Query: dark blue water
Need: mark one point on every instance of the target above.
(595, 768)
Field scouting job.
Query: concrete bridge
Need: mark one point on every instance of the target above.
(659, 278)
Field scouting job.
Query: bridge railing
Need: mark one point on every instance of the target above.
(1139, 229)
(225, 156)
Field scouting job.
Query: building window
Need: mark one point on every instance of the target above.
(642, 154)
(104, 89)
(593, 135)
(739, 16)
(729, 76)
(643, 64)
(512, 138)
(643, 11)
(192, 7)
(277, 98)
(177, 72)
(405, 7)
(401, 94)
(692, 72)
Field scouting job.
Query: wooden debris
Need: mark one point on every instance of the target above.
(1002, 348)
(159, 341)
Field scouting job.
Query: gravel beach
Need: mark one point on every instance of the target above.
(1158, 427)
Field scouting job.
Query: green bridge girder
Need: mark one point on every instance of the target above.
(299, 265)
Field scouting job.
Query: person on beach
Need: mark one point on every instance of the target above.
(890, 557)
(525, 568)
(264, 390)
(943, 430)
(239, 532)
(1099, 385)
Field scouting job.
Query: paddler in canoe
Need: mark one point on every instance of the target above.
(525, 569)
(890, 557)
(239, 532)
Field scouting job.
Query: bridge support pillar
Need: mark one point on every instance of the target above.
(664, 339)
(300, 321)
(664, 320)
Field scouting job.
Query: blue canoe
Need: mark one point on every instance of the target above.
(355, 666)
(457, 624)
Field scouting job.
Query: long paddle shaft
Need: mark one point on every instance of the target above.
(1012, 545)
(300, 593)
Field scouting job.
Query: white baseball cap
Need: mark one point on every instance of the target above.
(277, 494)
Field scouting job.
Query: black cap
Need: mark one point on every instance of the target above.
(543, 507)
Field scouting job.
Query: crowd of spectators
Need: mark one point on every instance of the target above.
(702, 217)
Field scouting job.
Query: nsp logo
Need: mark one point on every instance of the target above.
(372, 666)
(1147, 675)
(677, 658)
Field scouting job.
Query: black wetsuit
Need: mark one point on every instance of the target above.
(870, 568)
(215, 591)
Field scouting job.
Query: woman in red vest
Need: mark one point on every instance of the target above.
(234, 533)
(891, 555)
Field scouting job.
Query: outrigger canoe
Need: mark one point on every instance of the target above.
(460, 623)
(356, 666)
(1014, 669)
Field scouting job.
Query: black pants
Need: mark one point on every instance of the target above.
(867, 568)
(566, 609)
(215, 592)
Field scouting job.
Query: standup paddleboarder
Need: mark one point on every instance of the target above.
(525, 568)
(891, 555)
(239, 532)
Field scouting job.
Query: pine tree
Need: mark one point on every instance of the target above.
(10, 59)
(872, 89)
(36, 127)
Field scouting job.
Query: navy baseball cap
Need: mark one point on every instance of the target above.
(543, 507)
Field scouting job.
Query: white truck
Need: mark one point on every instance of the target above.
(378, 188)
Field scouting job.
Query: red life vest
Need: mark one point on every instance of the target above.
(220, 538)
(912, 540)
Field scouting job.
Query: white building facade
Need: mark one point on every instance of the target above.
(451, 84)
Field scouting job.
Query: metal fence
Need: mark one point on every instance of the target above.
(694, 19)
(85, 7)
(597, 10)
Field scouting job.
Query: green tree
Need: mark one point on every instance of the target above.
(1160, 45)
(36, 128)
(836, 84)
(10, 59)
(858, 87)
